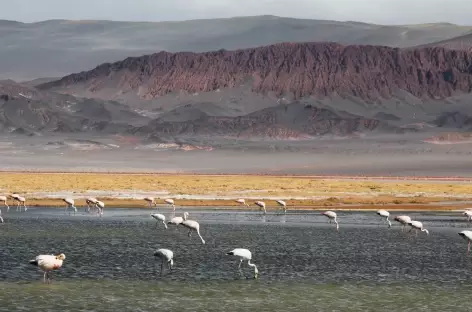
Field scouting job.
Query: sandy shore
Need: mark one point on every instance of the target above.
(191, 190)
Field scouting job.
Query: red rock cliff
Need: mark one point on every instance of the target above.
(304, 69)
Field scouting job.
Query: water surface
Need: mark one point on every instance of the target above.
(304, 264)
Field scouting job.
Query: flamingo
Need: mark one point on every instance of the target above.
(20, 200)
(91, 201)
(244, 254)
(160, 217)
(468, 214)
(48, 263)
(467, 235)
(151, 201)
(167, 256)
(417, 225)
(170, 201)
(241, 201)
(4, 200)
(100, 205)
(262, 205)
(385, 214)
(404, 220)
(282, 204)
(178, 220)
(193, 226)
(332, 216)
(70, 204)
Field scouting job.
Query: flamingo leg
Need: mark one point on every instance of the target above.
(190, 233)
(162, 266)
(44, 277)
(468, 247)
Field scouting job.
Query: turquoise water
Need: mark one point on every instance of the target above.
(304, 264)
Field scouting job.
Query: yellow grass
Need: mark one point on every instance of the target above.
(318, 192)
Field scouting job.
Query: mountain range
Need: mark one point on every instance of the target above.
(249, 78)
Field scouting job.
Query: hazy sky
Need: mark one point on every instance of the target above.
(376, 11)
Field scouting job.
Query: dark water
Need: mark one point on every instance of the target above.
(304, 264)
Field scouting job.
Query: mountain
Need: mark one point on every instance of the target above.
(26, 110)
(293, 69)
(463, 42)
(55, 48)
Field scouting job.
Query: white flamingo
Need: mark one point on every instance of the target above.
(244, 255)
(467, 235)
(332, 217)
(418, 226)
(262, 205)
(192, 226)
(160, 218)
(385, 214)
(242, 201)
(282, 204)
(178, 220)
(170, 202)
(151, 201)
(166, 256)
(48, 263)
(403, 220)
(69, 204)
(4, 200)
(100, 205)
(468, 214)
(20, 200)
(91, 202)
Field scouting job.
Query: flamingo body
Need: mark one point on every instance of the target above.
(160, 218)
(193, 226)
(166, 256)
(4, 200)
(418, 226)
(467, 235)
(332, 216)
(385, 214)
(282, 204)
(262, 205)
(178, 220)
(48, 263)
(244, 255)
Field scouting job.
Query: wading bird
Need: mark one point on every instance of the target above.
(170, 202)
(48, 263)
(192, 226)
(385, 214)
(468, 214)
(20, 201)
(4, 200)
(332, 217)
(100, 205)
(241, 202)
(151, 201)
(160, 218)
(91, 202)
(262, 205)
(69, 204)
(178, 220)
(467, 235)
(418, 226)
(167, 256)
(282, 204)
(403, 220)
(244, 255)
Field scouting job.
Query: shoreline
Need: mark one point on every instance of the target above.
(231, 205)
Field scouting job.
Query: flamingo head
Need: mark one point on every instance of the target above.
(61, 256)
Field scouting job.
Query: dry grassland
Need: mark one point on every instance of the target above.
(297, 191)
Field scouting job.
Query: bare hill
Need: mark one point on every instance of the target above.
(55, 48)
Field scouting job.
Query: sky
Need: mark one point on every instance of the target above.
(371, 11)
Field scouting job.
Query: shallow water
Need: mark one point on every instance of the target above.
(304, 264)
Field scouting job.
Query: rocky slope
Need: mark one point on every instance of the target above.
(56, 48)
(26, 110)
(301, 69)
